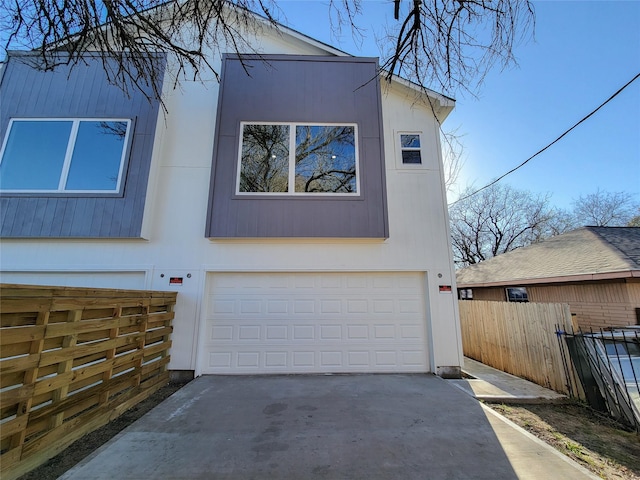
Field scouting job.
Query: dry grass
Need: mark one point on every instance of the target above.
(595, 441)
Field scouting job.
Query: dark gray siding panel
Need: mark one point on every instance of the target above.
(79, 92)
(299, 89)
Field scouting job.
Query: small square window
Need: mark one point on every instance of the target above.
(64, 155)
(298, 159)
(410, 149)
(465, 294)
(517, 294)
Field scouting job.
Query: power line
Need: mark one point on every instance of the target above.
(550, 144)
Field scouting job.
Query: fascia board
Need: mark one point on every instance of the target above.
(563, 279)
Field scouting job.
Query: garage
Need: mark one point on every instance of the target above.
(315, 323)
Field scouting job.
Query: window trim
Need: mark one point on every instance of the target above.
(124, 158)
(292, 164)
(420, 149)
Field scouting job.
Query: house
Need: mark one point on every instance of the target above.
(596, 270)
(299, 212)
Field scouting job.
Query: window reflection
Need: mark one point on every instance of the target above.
(517, 294)
(325, 159)
(265, 158)
(410, 141)
(63, 155)
(34, 155)
(95, 163)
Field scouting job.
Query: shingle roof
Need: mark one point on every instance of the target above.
(585, 253)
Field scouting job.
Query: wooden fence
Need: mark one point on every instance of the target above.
(521, 339)
(72, 360)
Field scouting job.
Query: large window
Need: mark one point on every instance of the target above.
(298, 159)
(64, 155)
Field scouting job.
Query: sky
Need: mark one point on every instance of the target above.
(582, 52)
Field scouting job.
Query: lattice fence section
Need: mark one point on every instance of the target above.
(72, 360)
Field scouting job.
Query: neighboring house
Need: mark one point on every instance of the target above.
(596, 270)
(299, 212)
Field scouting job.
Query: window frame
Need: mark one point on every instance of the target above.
(414, 149)
(118, 191)
(512, 299)
(292, 164)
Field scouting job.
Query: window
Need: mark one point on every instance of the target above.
(465, 294)
(517, 294)
(410, 148)
(298, 159)
(64, 155)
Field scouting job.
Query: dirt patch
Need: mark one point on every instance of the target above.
(594, 440)
(78, 450)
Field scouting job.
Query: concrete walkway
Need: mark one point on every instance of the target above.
(334, 427)
(492, 385)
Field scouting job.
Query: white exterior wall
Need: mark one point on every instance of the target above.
(175, 215)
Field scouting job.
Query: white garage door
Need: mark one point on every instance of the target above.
(315, 323)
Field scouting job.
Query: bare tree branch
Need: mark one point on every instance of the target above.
(450, 45)
(443, 44)
(133, 32)
(452, 157)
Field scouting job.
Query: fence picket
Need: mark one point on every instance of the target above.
(518, 338)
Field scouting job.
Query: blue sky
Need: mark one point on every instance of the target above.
(583, 52)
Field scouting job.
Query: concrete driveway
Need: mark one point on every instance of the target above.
(335, 427)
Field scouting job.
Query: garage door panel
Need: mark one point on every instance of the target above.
(220, 335)
(315, 322)
(314, 360)
(323, 309)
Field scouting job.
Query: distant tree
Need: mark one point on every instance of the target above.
(497, 220)
(605, 209)
(561, 221)
(444, 44)
(634, 222)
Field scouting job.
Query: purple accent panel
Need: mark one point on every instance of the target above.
(79, 92)
(301, 89)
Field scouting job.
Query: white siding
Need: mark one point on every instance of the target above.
(124, 280)
(175, 214)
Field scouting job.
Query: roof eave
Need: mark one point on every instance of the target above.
(441, 105)
(561, 279)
